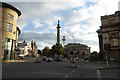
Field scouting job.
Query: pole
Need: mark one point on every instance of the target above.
(106, 48)
(118, 57)
(107, 59)
(63, 41)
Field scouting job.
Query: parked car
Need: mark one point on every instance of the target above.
(44, 58)
(21, 56)
(86, 58)
(58, 58)
(49, 59)
(76, 58)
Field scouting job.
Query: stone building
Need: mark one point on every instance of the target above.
(9, 30)
(22, 48)
(34, 48)
(109, 36)
(27, 48)
(80, 50)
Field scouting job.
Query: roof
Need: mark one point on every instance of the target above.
(76, 44)
(20, 45)
(5, 5)
(116, 14)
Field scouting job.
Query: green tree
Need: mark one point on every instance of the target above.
(96, 56)
(53, 50)
(46, 51)
(93, 56)
(57, 49)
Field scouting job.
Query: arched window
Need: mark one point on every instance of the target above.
(114, 39)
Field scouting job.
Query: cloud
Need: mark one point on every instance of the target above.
(37, 10)
(41, 39)
(36, 36)
(37, 24)
(77, 18)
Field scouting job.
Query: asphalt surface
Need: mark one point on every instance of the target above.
(54, 69)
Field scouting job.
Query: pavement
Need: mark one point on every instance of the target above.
(109, 67)
(8, 61)
(22, 60)
(112, 65)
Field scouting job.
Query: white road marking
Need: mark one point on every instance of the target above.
(71, 73)
(98, 74)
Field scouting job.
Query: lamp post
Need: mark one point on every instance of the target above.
(74, 54)
(74, 39)
(74, 42)
(63, 41)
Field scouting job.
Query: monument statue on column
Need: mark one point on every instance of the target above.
(58, 33)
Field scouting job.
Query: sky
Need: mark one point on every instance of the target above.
(79, 19)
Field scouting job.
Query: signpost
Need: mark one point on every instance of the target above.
(107, 48)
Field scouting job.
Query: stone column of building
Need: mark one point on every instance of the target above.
(100, 41)
(58, 33)
(32, 46)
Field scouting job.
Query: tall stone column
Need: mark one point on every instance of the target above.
(58, 33)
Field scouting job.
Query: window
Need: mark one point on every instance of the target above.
(10, 17)
(7, 40)
(115, 42)
(9, 27)
(8, 43)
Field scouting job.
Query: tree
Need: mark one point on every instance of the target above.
(57, 49)
(93, 56)
(39, 52)
(46, 51)
(96, 56)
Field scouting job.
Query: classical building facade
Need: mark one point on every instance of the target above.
(109, 36)
(80, 50)
(10, 31)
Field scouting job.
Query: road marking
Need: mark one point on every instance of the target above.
(98, 74)
(71, 73)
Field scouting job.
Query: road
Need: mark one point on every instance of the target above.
(53, 69)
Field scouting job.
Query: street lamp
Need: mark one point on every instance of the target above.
(74, 42)
(74, 39)
(63, 41)
(74, 54)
